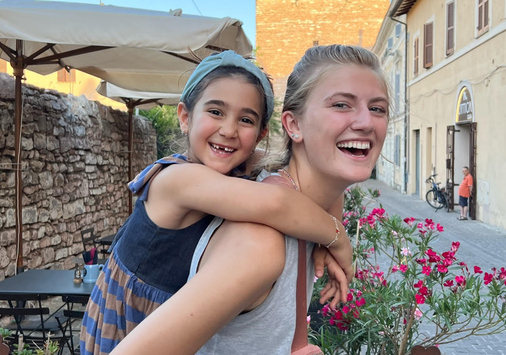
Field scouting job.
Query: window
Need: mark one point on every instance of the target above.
(390, 43)
(415, 56)
(482, 16)
(450, 28)
(397, 150)
(397, 92)
(66, 77)
(398, 30)
(428, 45)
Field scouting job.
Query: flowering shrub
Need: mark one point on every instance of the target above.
(418, 296)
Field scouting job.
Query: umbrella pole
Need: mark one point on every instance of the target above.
(18, 69)
(130, 152)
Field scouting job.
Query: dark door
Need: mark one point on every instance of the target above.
(450, 160)
(472, 169)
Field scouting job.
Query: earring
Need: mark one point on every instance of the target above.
(296, 136)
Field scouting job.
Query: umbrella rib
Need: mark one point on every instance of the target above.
(40, 51)
(9, 51)
(183, 57)
(214, 48)
(74, 52)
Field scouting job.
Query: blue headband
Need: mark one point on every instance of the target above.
(229, 58)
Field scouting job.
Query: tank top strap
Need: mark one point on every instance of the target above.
(202, 244)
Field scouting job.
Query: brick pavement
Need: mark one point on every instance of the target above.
(480, 244)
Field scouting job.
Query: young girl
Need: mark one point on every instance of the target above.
(335, 115)
(224, 111)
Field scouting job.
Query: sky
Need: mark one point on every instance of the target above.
(243, 10)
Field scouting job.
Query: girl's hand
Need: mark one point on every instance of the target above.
(342, 251)
(337, 285)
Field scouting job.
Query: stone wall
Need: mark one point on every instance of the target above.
(75, 171)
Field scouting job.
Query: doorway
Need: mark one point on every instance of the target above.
(464, 154)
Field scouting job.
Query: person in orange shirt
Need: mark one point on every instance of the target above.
(465, 190)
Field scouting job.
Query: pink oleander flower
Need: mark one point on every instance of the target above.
(502, 274)
(426, 270)
(448, 283)
(420, 299)
(460, 280)
(421, 261)
(403, 268)
(360, 302)
(442, 268)
(423, 290)
(418, 313)
(433, 257)
(477, 270)
(455, 246)
(405, 251)
(439, 228)
(308, 320)
(418, 284)
(409, 220)
(488, 278)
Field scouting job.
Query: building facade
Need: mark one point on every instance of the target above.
(75, 82)
(456, 82)
(285, 29)
(391, 48)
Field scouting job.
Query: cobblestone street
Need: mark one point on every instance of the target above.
(480, 244)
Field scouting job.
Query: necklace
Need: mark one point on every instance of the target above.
(289, 178)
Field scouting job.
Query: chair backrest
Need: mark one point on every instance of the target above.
(71, 313)
(88, 238)
(18, 310)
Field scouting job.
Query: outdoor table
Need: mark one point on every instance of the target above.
(45, 282)
(106, 241)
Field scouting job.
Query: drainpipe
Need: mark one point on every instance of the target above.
(406, 104)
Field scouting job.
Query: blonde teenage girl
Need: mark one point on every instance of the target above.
(224, 110)
(335, 116)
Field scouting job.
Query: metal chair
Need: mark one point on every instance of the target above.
(33, 324)
(71, 313)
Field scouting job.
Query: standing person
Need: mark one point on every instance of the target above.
(335, 116)
(465, 191)
(224, 110)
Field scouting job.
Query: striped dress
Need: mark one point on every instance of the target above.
(147, 265)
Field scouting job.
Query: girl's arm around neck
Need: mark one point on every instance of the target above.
(233, 274)
(196, 187)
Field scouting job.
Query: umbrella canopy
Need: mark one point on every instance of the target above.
(111, 42)
(133, 99)
(134, 49)
(140, 99)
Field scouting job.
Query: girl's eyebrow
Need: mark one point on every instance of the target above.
(224, 104)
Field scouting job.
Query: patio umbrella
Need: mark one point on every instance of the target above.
(133, 99)
(134, 49)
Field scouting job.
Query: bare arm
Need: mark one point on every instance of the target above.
(197, 187)
(233, 274)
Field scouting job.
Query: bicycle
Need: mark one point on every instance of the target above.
(436, 197)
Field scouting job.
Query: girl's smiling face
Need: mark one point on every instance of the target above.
(345, 123)
(224, 127)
